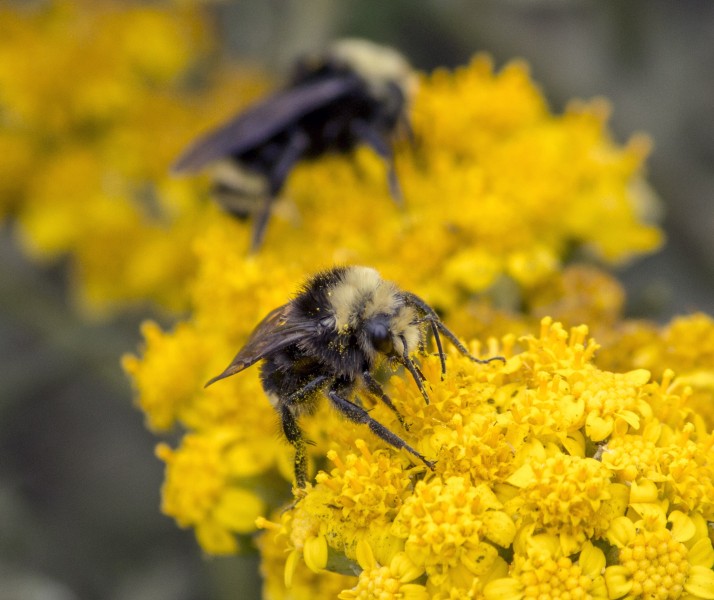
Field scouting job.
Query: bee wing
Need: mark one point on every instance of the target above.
(275, 332)
(262, 121)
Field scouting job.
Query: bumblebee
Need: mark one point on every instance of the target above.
(356, 93)
(328, 338)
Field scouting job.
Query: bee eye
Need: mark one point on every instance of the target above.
(380, 336)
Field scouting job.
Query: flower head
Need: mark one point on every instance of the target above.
(684, 346)
(452, 530)
(285, 577)
(513, 480)
(542, 571)
(88, 155)
(538, 458)
(655, 561)
(568, 497)
(199, 491)
(390, 582)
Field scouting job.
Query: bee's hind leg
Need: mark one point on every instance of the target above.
(261, 222)
(370, 136)
(291, 429)
(294, 435)
(298, 144)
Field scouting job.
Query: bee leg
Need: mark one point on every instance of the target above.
(261, 223)
(376, 389)
(414, 370)
(299, 142)
(406, 126)
(294, 436)
(437, 339)
(374, 140)
(306, 390)
(357, 414)
(439, 347)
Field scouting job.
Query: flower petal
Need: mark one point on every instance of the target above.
(622, 531)
(701, 554)
(683, 527)
(617, 581)
(592, 560)
(503, 589)
(499, 528)
(315, 553)
(700, 583)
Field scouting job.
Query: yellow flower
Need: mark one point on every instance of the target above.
(547, 499)
(675, 463)
(542, 571)
(690, 472)
(574, 295)
(356, 501)
(361, 492)
(169, 374)
(658, 562)
(685, 345)
(578, 389)
(459, 427)
(200, 491)
(612, 397)
(452, 529)
(488, 222)
(688, 343)
(285, 577)
(636, 455)
(568, 497)
(519, 464)
(537, 458)
(479, 446)
(390, 582)
(580, 294)
(89, 154)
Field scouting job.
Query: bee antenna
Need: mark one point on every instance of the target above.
(439, 347)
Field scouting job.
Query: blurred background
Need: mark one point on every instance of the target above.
(79, 484)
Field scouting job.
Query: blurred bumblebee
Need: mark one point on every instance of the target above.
(356, 93)
(329, 338)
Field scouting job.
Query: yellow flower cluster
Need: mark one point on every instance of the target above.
(566, 513)
(544, 464)
(95, 107)
(685, 345)
(89, 154)
(501, 213)
(232, 291)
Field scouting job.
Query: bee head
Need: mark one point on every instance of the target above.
(372, 313)
(379, 334)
